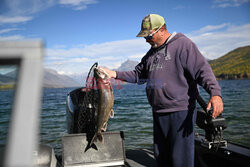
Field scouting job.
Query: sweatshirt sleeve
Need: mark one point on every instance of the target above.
(193, 61)
(136, 76)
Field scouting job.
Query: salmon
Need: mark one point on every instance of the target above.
(105, 104)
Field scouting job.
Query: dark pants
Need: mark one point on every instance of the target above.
(174, 138)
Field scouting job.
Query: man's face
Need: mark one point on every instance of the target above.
(154, 41)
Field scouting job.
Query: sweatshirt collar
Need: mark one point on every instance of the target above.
(171, 36)
(165, 43)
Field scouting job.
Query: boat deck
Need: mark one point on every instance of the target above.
(140, 158)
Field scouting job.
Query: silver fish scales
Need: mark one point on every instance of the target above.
(105, 104)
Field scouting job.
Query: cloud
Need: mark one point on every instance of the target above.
(64, 73)
(110, 49)
(209, 28)
(109, 54)
(21, 11)
(215, 44)
(212, 40)
(136, 55)
(3, 31)
(228, 3)
(26, 7)
(14, 19)
(77, 4)
(11, 38)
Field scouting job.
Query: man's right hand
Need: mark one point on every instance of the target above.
(217, 104)
(112, 74)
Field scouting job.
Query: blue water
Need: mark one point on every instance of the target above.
(133, 114)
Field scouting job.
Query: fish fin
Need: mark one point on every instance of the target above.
(97, 136)
(112, 113)
(104, 128)
(101, 138)
(93, 139)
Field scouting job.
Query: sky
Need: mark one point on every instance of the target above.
(78, 33)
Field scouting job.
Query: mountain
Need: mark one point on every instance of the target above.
(80, 78)
(51, 79)
(12, 74)
(233, 65)
(6, 79)
(54, 80)
(127, 66)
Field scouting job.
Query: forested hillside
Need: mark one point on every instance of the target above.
(233, 65)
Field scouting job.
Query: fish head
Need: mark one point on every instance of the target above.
(101, 74)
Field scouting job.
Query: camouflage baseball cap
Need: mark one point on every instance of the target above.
(149, 23)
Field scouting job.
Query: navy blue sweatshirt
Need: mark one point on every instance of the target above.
(172, 73)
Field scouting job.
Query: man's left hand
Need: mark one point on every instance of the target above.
(217, 104)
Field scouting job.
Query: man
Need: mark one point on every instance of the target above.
(172, 68)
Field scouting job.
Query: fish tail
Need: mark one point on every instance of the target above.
(97, 136)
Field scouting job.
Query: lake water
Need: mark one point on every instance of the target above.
(133, 114)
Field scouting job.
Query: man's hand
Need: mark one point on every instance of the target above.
(112, 74)
(217, 104)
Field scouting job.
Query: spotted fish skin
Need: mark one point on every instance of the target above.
(105, 104)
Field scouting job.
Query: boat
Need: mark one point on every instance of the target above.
(211, 149)
(23, 149)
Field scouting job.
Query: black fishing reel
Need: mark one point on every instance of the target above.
(213, 127)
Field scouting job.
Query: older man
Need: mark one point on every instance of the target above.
(172, 68)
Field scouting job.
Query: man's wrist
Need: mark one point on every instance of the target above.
(114, 75)
(215, 92)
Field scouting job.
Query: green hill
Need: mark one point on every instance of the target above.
(233, 65)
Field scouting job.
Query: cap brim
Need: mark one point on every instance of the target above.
(143, 33)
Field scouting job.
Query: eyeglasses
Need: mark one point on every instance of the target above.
(150, 36)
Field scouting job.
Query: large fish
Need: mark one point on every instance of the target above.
(105, 104)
